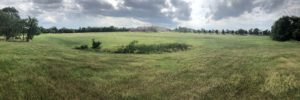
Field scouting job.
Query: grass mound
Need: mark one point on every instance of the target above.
(135, 48)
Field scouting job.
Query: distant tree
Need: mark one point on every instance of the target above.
(256, 31)
(266, 32)
(53, 29)
(232, 32)
(250, 31)
(217, 31)
(209, 31)
(223, 32)
(241, 32)
(66, 30)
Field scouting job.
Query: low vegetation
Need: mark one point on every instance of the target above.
(134, 47)
(82, 47)
(96, 45)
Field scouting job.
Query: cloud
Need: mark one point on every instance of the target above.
(169, 13)
(145, 10)
(234, 8)
(48, 4)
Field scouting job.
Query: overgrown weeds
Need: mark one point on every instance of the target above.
(135, 48)
(96, 45)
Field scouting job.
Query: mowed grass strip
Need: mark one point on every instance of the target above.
(216, 67)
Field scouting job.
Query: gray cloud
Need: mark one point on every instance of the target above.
(235, 8)
(145, 10)
(48, 4)
(183, 9)
(94, 6)
(232, 8)
(157, 12)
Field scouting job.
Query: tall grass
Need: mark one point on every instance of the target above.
(218, 67)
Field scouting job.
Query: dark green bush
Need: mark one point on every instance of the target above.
(135, 48)
(296, 34)
(82, 47)
(96, 44)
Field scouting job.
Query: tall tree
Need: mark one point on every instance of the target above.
(32, 28)
(10, 22)
(281, 30)
(4, 21)
(11, 11)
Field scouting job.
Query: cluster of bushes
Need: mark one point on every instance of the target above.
(286, 28)
(97, 45)
(135, 48)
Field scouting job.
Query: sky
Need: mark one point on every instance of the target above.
(197, 14)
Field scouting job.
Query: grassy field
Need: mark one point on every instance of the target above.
(216, 67)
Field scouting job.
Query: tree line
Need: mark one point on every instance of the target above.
(252, 31)
(83, 29)
(13, 27)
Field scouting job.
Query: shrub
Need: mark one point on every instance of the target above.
(130, 48)
(133, 47)
(82, 47)
(96, 44)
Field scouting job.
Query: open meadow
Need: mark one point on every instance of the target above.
(215, 67)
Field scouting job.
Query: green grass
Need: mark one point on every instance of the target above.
(216, 67)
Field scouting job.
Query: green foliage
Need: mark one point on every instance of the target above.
(281, 29)
(286, 28)
(12, 26)
(32, 28)
(296, 34)
(133, 47)
(12, 12)
(96, 44)
(82, 47)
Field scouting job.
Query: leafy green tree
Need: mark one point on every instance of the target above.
(32, 28)
(11, 22)
(281, 29)
(4, 18)
(296, 34)
(12, 12)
